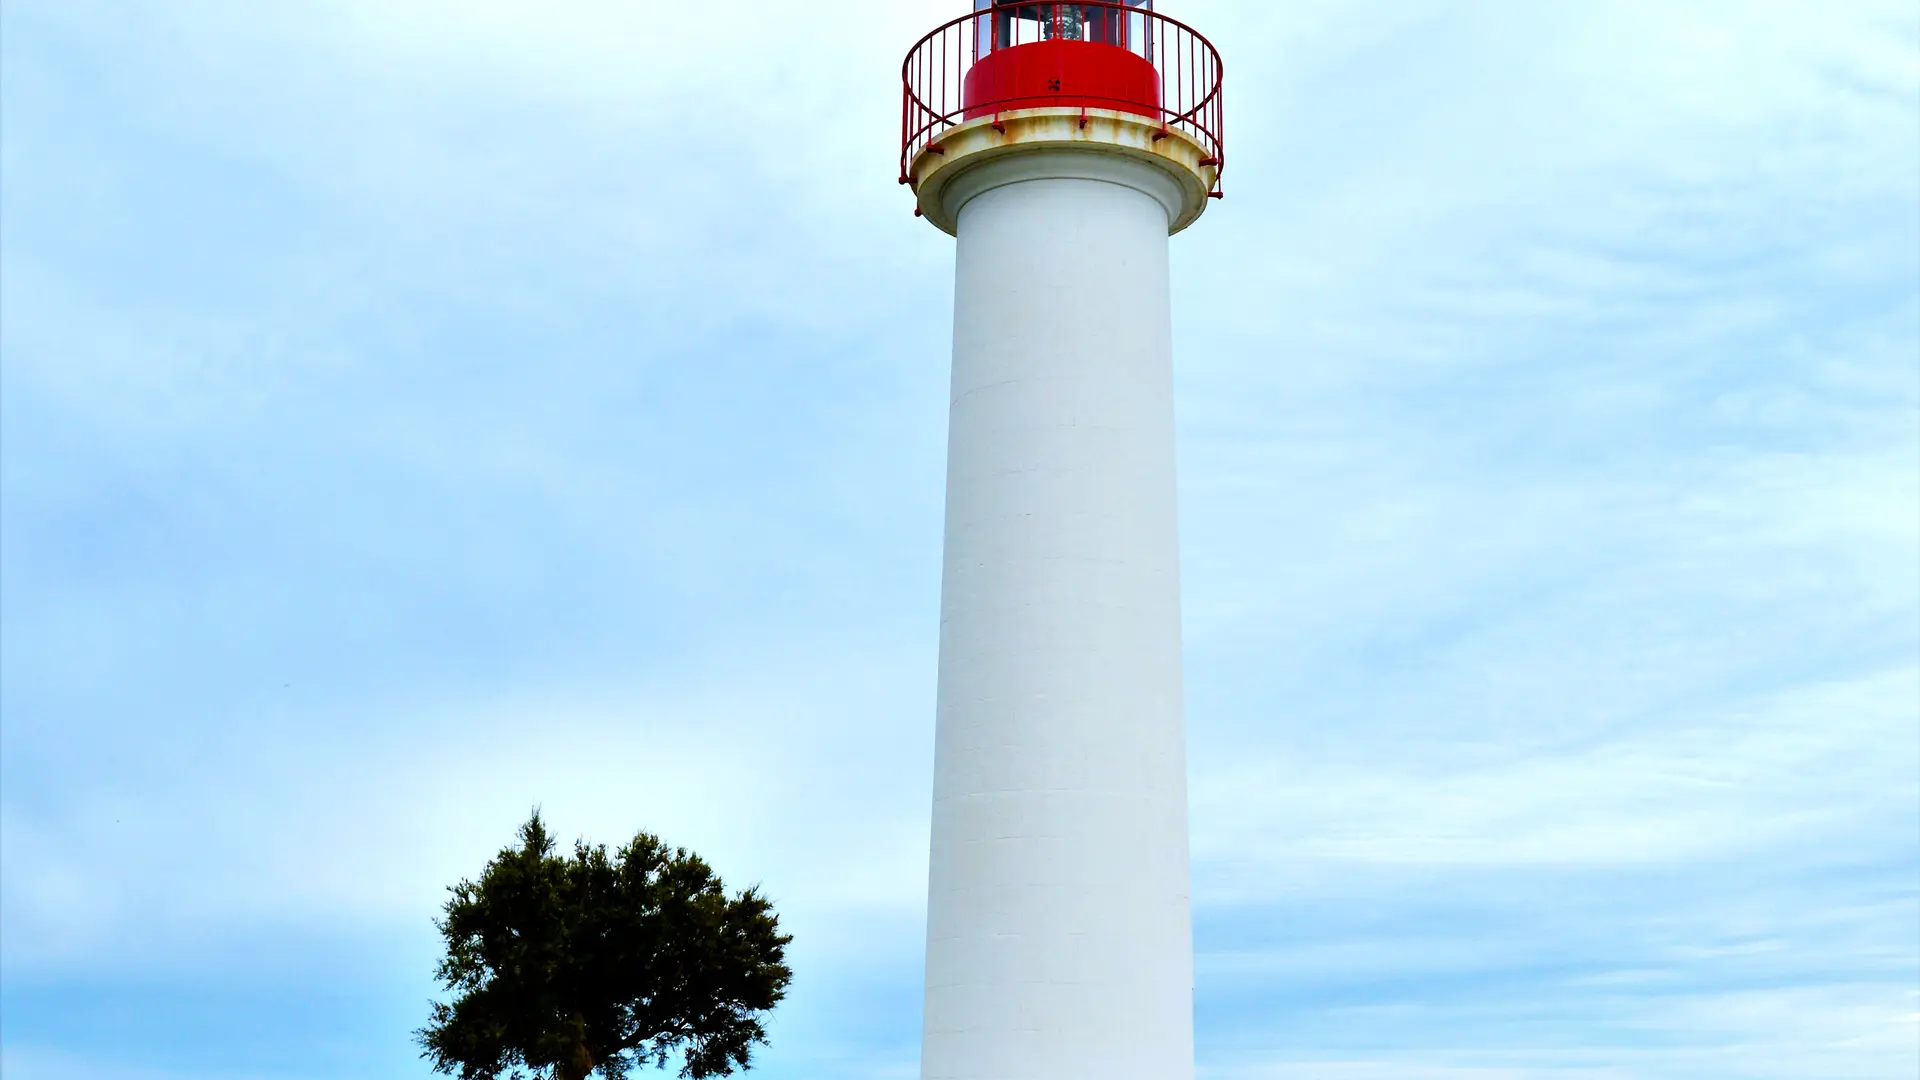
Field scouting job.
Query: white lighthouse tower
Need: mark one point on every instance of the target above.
(1061, 143)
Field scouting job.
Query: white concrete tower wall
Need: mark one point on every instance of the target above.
(1059, 936)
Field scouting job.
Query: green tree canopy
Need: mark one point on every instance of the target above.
(596, 963)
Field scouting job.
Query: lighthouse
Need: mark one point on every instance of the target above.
(1061, 144)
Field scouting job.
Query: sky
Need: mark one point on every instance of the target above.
(412, 413)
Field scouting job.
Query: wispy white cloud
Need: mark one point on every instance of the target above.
(1800, 772)
(371, 818)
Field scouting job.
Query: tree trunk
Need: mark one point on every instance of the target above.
(576, 1067)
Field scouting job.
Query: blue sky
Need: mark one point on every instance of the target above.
(414, 412)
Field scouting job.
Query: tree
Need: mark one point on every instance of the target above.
(571, 966)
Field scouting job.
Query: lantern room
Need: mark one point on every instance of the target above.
(1088, 55)
(1018, 78)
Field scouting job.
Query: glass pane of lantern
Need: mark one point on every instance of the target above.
(1066, 22)
(1139, 28)
(1019, 22)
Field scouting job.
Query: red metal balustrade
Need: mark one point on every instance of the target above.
(1120, 56)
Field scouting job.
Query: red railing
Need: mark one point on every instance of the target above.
(946, 82)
